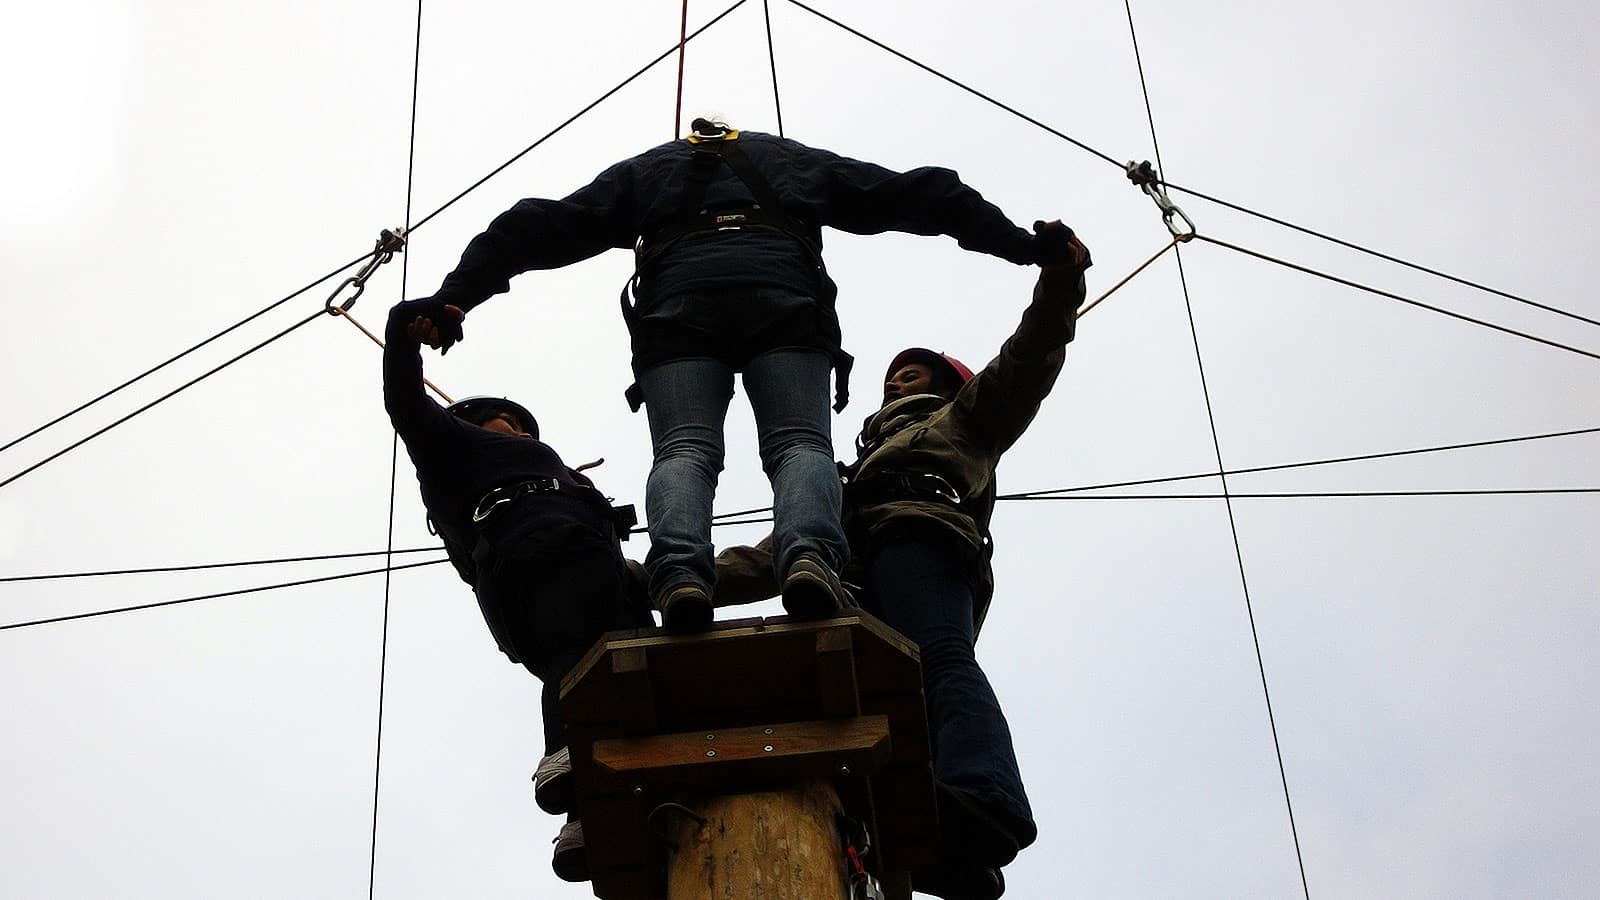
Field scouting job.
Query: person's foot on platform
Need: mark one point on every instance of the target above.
(811, 589)
(685, 609)
(552, 783)
(979, 827)
(954, 880)
(571, 859)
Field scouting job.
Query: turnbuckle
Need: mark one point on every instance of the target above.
(1145, 176)
(390, 242)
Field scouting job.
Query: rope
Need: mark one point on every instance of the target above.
(971, 90)
(1028, 495)
(162, 365)
(234, 593)
(196, 567)
(338, 311)
(1392, 296)
(772, 58)
(1380, 255)
(1216, 443)
(683, 39)
(161, 399)
(1129, 277)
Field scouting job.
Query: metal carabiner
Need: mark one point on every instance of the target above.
(1149, 181)
(390, 242)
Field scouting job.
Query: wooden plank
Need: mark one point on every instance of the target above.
(739, 757)
(836, 673)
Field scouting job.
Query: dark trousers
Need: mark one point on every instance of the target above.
(920, 582)
(552, 604)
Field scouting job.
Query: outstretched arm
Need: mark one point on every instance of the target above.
(405, 397)
(1002, 400)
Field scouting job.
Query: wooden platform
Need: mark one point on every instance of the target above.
(752, 704)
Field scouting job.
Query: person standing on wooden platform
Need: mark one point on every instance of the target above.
(533, 537)
(727, 233)
(917, 504)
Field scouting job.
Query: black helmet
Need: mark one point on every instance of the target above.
(479, 410)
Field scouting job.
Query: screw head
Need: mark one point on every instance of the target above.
(711, 737)
(767, 748)
(844, 770)
(638, 790)
(711, 753)
(766, 731)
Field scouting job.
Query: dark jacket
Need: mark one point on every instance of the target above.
(458, 463)
(960, 440)
(637, 197)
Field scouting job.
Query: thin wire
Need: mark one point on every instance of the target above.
(683, 39)
(203, 566)
(1312, 495)
(159, 366)
(1026, 495)
(1216, 443)
(235, 593)
(164, 397)
(574, 117)
(1380, 255)
(394, 475)
(1115, 287)
(971, 90)
(772, 57)
(1392, 296)
(340, 311)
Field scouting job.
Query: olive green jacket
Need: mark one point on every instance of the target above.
(960, 440)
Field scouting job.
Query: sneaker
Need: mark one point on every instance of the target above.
(959, 881)
(552, 783)
(685, 609)
(571, 860)
(811, 590)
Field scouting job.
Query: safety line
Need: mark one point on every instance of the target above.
(683, 39)
(394, 473)
(159, 366)
(345, 313)
(1393, 296)
(971, 90)
(1313, 495)
(196, 567)
(1216, 443)
(575, 116)
(1129, 277)
(772, 58)
(1389, 454)
(164, 397)
(1381, 255)
(234, 593)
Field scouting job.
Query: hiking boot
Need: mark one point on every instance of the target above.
(571, 860)
(811, 590)
(552, 783)
(685, 609)
(959, 881)
(979, 828)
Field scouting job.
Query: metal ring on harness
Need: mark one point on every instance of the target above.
(502, 495)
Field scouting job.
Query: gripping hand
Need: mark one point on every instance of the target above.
(1054, 244)
(429, 321)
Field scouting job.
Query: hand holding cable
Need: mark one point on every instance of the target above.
(1055, 245)
(428, 321)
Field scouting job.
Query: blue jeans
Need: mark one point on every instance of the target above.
(920, 582)
(687, 402)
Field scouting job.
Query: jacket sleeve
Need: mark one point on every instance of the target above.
(1000, 402)
(405, 397)
(864, 198)
(545, 234)
(745, 575)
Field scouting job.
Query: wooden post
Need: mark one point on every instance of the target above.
(776, 845)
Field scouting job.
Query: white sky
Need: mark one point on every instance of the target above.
(172, 167)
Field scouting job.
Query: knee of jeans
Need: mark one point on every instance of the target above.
(787, 447)
(689, 446)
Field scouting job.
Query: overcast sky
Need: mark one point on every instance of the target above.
(170, 168)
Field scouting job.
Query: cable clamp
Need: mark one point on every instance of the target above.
(390, 241)
(1148, 180)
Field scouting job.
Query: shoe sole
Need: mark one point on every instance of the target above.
(807, 595)
(687, 615)
(554, 795)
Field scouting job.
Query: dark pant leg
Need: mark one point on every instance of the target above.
(921, 584)
(555, 605)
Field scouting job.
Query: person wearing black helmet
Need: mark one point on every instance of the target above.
(532, 536)
(727, 232)
(917, 504)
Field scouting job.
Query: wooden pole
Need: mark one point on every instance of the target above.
(777, 845)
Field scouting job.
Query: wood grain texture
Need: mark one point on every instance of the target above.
(781, 845)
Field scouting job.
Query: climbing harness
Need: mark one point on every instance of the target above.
(390, 241)
(1144, 175)
(857, 844)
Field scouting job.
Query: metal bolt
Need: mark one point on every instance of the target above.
(711, 753)
(766, 731)
(844, 770)
(767, 748)
(711, 737)
(638, 790)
